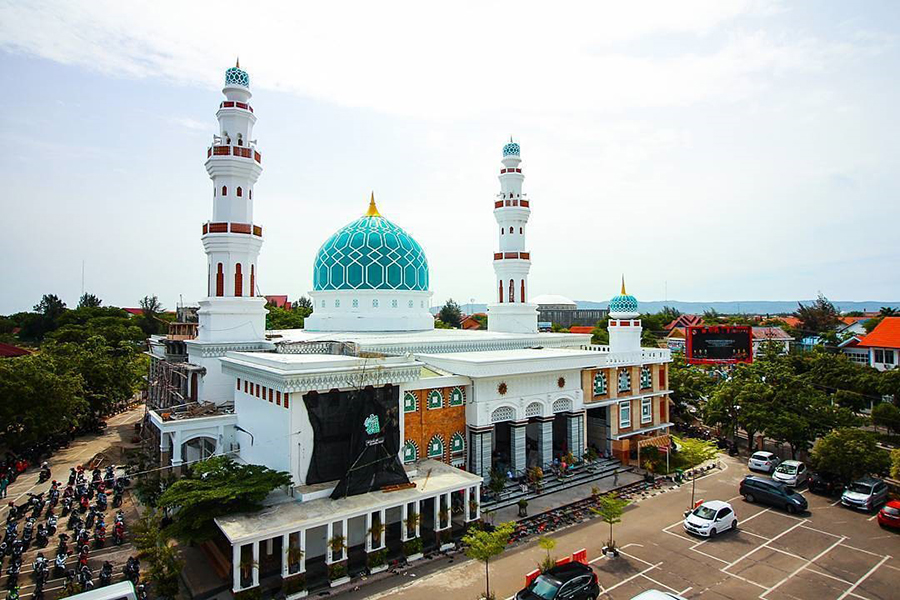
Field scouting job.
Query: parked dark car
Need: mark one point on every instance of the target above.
(824, 483)
(768, 491)
(572, 581)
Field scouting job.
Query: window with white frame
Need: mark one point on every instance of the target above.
(625, 414)
(646, 410)
(888, 357)
(410, 402)
(879, 356)
(456, 397)
(435, 399)
(625, 380)
(600, 387)
(646, 378)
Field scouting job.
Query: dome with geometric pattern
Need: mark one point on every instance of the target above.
(237, 76)
(371, 253)
(623, 306)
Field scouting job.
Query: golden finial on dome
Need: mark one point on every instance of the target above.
(237, 63)
(623, 284)
(373, 210)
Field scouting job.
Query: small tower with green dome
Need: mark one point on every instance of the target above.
(624, 322)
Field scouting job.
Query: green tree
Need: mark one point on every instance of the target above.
(279, 318)
(155, 547)
(451, 314)
(547, 543)
(895, 464)
(712, 317)
(818, 317)
(150, 320)
(216, 487)
(610, 508)
(849, 454)
(693, 452)
(886, 415)
(483, 545)
(89, 301)
(304, 305)
(690, 385)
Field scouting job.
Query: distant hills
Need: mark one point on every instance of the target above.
(756, 307)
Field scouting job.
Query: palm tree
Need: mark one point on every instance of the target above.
(888, 311)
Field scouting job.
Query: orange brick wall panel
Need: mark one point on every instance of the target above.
(424, 424)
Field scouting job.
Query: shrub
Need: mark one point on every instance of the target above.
(376, 559)
(294, 584)
(336, 570)
(251, 594)
(413, 546)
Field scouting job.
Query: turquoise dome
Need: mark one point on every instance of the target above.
(237, 76)
(371, 253)
(623, 303)
(511, 149)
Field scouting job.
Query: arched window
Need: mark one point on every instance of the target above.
(410, 452)
(435, 399)
(501, 292)
(520, 231)
(238, 280)
(512, 290)
(252, 280)
(393, 304)
(224, 190)
(522, 295)
(374, 302)
(220, 281)
(410, 402)
(240, 143)
(510, 229)
(240, 192)
(646, 378)
(457, 397)
(356, 303)
(457, 443)
(600, 385)
(625, 380)
(502, 230)
(436, 447)
(250, 192)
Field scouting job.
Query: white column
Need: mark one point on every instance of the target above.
(303, 549)
(437, 517)
(381, 538)
(468, 497)
(285, 544)
(255, 563)
(477, 491)
(329, 533)
(369, 541)
(346, 533)
(176, 449)
(220, 442)
(236, 567)
(404, 515)
(419, 520)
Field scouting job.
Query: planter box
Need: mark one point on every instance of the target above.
(414, 557)
(340, 581)
(378, 569)
(448, 546)
(297, 595)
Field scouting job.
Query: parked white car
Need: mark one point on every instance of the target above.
(710, 518)
(792, 473)
(763, 461)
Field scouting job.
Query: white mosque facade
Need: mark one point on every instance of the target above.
(369, 373)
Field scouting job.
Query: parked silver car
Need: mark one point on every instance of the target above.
(867, 493)
(792, 473)
(763, 461)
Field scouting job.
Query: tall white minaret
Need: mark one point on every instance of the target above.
(511, 311)
(233, 315)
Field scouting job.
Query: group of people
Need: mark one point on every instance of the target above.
(86, 503)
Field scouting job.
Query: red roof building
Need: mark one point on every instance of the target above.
(883, 344)
(684, 321)
(581, 329)
(470, 322)
(9, 351)
(279, 301)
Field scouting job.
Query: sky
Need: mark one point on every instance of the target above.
(707, 150)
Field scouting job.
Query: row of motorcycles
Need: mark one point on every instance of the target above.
(86, 521)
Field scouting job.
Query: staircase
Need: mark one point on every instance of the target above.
(552, 482)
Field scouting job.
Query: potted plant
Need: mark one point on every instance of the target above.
(548, 544)
(446, 539)
(294, 555)
(443, 516)
(523, 507)
(337, 574)
(375, 531)
(412, 523)
(246, 566)
(251, 594)
(376, 561)
(412, 549)
(337, 545)
(473, 507)
(535, 477)
(294, 587)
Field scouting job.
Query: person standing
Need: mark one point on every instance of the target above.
(4, 483)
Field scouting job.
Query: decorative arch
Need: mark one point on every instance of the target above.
(646, 378)
(410, 402)
(220, 280)
(240, 192)
(238, 280)
(224, 190)
(457, 397)
(504, 413)
(501, 291)
(252, 279)
(535, 409)
(435, 399)
(512, 290)
(436, 447)
(410, 452)
(522, 295)
(457, 443)
(601, 386)
(625, 380)
(562, 405)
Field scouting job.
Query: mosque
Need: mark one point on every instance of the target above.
(388, 426)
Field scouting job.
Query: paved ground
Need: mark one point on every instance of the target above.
(831, 553)
(119, 430)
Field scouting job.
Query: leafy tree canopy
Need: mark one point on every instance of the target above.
(818, 317)
(217, 487)
(279, 318)
(304, 305)
(849, 454)
(89, 301)
(451, 314)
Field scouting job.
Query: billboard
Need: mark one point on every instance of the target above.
(719, 344)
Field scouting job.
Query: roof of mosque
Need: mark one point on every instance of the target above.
(371, 253)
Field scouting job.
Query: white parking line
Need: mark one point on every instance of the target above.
(785, 532)
(803, 566)
(873, 517)
(624, 581)
(863, 578)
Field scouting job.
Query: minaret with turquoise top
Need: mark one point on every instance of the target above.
(624, 325)
(511, 312)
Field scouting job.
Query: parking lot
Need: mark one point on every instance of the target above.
(829, 553)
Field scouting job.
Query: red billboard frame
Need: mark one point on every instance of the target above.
(724, 329)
